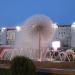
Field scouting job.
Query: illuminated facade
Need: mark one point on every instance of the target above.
(63, 33)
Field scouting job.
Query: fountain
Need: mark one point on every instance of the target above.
(34, 37)
(33, 41)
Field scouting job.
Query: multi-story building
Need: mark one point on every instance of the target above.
(63, 33)
(73, 35)
(66, 35)
(2, 36)
(7, 36)
(10, 36)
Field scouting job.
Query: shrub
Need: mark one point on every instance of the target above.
(22, 66)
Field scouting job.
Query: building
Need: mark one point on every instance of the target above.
(66, 35)
(2, 36)
(10, 36)
(7, 36)
(63, 33)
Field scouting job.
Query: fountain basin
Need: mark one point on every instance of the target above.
(57, 67)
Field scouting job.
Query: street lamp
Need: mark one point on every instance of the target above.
(3, 29)
(73, 25)
(55, 25)
(18, 28)
(55, 45)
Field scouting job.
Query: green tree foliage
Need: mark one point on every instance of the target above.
(22, 66)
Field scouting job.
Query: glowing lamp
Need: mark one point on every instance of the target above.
(73, 25)
(55, 26)
(55, 44)
(3, 29)
(18, 28)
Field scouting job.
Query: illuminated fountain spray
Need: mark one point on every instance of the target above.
(33, 40)
(34, 37)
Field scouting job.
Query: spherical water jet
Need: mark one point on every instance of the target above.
(34, 37)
